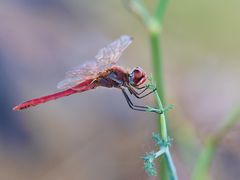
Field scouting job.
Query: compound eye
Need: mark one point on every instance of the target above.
(137, 73)
(138, 76)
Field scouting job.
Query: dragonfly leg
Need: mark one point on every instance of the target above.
(136, 107)
(131, 105)
(137, 95)
(143, 87)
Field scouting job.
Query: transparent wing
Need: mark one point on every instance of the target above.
(109, 55)
(105, 58)
(78, 74)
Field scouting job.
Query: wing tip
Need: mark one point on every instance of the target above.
(127, 37)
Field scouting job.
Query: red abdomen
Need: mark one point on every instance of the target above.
(84, 86)
(44, 99)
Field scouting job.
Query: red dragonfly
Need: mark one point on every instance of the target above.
(104, 72)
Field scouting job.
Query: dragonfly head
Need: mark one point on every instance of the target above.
(137, 76)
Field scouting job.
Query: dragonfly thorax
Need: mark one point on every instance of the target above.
(137, 76)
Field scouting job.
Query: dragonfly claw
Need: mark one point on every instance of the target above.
(151, 109)
(156, 110)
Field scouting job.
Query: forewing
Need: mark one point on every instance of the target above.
(105, 58)
(109, 55)
(78, 74)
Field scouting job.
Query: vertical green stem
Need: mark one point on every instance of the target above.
(161, 10)
(170, 170)
(173, 173)
(157, 63)
(163, 127)
(158, 77)
(154, 25)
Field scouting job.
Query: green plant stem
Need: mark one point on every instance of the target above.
(154, 26)
(173, 174)
(163, 131)
(163, 127)
(161, 10)
(204, 161)
(157, 64)
(158, 76)
(138, 9)
(205, 158)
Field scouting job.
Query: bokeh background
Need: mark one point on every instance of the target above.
(95, 135)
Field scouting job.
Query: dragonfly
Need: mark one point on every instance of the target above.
(102, 72)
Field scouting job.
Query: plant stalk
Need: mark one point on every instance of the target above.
(157, 64)
(171, 170)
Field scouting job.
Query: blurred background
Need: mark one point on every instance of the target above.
(95, 135)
